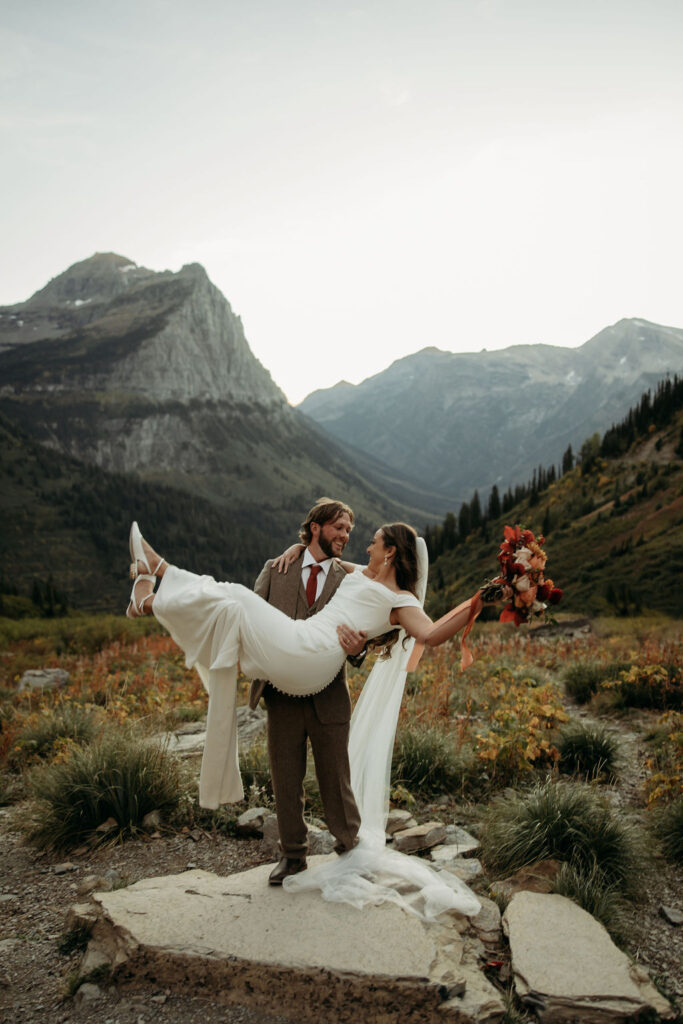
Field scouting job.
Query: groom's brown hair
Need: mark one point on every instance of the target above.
(325, 510)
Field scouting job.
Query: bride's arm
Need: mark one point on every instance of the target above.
(418, 624)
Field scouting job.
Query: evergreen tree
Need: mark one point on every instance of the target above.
(464, 521)
(475, 511)
(493, 511)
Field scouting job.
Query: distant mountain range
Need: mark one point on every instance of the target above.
(126, 392)
(134, 371)
(456, 422)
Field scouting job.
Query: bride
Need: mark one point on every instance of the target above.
(218, 624)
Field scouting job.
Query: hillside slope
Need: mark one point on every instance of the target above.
(613, 528)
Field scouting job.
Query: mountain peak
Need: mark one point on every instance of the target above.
(102, 276)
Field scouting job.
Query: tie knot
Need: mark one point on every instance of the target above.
(315, 569)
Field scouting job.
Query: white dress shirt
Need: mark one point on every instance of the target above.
(308, 561)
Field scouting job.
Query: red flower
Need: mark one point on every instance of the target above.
(528, 537)
(555, 595)
(517, 568)
(543, 592)
(510, 614)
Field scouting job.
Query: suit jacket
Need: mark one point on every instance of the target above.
(286, 592)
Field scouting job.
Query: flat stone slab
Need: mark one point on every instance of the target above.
(291, 952)
(566, 962)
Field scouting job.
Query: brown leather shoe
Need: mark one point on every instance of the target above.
(287, 866)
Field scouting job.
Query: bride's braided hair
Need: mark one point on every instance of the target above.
(404, 539)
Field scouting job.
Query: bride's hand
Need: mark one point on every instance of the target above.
(283, 561)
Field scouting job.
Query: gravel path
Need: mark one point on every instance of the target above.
(34, 901)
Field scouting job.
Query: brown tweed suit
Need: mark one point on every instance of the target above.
(323, 718)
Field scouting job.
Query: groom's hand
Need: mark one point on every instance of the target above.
(352, 642)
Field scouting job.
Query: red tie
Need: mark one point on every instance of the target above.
(312, 584)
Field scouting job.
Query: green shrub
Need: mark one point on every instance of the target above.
(669, 829)
(120, 776)
(427, 762)
(600, 899)
(255, 766)
(42, 735)
(649, 686)
(565, 820)
(588, 751)
(584, 678)
(11, 789)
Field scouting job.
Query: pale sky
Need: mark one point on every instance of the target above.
(359, 179)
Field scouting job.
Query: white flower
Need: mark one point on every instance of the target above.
(522, 584)
(523, 556)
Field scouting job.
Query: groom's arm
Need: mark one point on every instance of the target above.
(262, 585)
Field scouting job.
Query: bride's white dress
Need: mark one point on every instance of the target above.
(218, 624)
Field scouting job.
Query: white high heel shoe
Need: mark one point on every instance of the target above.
(136, 608)
(137, 553)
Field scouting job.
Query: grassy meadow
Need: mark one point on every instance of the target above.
(534, 710)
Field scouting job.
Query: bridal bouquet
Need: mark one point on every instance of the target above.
(522, 582)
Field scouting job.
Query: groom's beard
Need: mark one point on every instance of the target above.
(327, 547)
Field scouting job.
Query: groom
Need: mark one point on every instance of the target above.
(324, 717)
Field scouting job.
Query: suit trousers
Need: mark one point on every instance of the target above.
(291, 722)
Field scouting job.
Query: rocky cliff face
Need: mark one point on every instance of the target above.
(457, 422)
(137, 371)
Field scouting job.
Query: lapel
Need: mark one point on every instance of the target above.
(332, 581)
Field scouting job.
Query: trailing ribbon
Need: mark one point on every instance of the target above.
(475, 605)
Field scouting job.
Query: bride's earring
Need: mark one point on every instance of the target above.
(386, 560)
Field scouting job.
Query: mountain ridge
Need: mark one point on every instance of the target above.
(464, 421)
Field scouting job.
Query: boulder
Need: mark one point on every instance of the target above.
(250, 823)
(565, 965)
(398, 820)
(293, 954)
(44, 679)
(487, 923)
(539, 877)
(420, 837)
(458, 837)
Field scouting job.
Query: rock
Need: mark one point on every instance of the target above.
(670, 914)
(5, 897)
(251, 822)
(319, 840)
(398, 820)
(95, 959)
(188, 740)
(448, 858)
(63, 869)
(81, 915)
(271, 836)
(538, 877)
(197, 930)
(565, 962)
(44, 679)
(88, 993)
(487, 923)
(467, 869)
(94, 883)
(152, 821)
(458, 837)
(250, 724)
(107, 826)
(420, 837)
